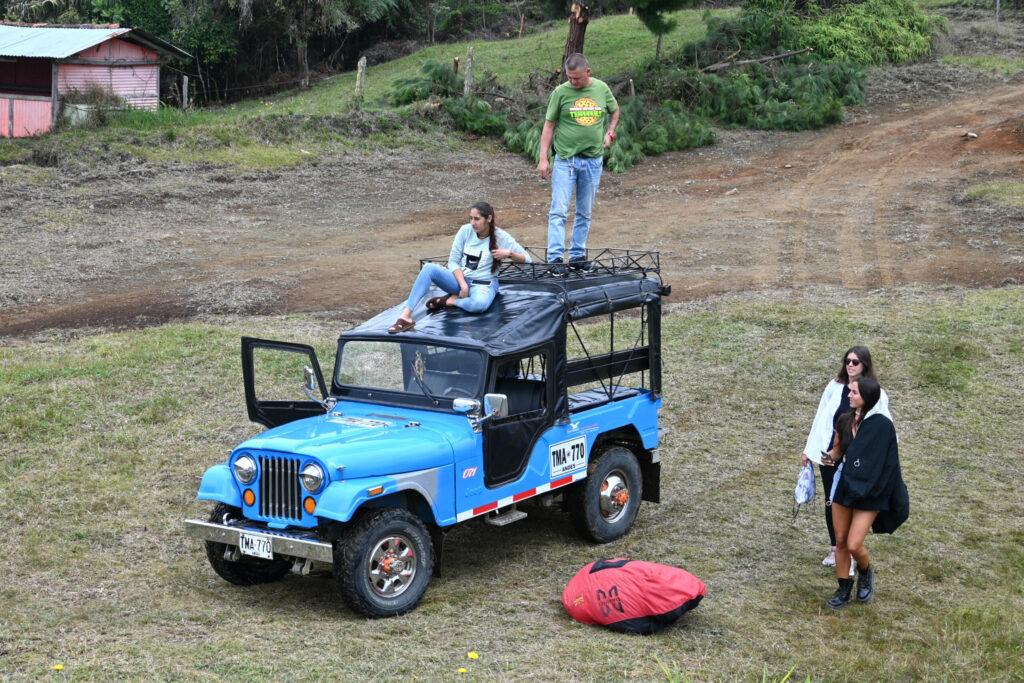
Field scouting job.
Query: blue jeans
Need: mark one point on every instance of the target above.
(583, 175)
(481, 293)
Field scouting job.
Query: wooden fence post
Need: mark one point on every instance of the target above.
(184, 91)
(467, 89)
(360, 75)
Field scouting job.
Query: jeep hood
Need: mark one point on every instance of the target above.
(366, 446)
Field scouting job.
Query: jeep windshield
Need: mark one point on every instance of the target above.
(406, 368)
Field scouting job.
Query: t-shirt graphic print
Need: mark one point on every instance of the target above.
(586, 112)
(471, 259)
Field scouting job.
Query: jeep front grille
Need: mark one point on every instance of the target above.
(280, 494)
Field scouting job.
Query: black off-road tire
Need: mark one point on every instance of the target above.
(377, 536)
(247, 571)
(594, 503)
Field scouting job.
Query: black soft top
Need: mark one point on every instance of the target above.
(533, 303)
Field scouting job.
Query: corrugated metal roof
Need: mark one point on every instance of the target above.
(57, 43)
(61, 42)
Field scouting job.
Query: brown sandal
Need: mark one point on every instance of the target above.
(437, 303)
(401, 326)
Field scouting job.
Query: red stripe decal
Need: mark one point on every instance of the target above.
(525, 494)
(561, 482)
(485, 508)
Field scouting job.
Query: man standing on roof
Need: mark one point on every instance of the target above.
(581, 118)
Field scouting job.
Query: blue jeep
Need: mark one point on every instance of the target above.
(465, 416)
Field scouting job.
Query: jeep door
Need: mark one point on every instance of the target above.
(509, 440)
(273, 376)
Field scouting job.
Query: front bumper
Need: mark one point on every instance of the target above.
(291, 543)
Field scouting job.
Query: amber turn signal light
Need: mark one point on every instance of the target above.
(310, 505)
(249, 497)
(375, 491)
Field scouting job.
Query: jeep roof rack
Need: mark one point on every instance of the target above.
(601, 263)
(534, 301)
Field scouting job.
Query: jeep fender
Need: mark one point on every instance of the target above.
(219, 484)
(436, 486)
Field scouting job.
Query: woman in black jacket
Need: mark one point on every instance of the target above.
(870, 491)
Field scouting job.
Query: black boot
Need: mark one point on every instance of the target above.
(865, 584)
(842, 596)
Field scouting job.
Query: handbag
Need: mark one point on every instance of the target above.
(804, 492)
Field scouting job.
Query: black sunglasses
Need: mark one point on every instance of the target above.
(853, 361)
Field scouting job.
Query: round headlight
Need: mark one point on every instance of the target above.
(312, 477)
(245, 469)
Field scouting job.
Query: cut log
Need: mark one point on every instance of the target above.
(719, 66)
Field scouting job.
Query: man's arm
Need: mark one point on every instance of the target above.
(610, 134)
(546, 136)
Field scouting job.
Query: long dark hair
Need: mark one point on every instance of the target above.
(870, 391)
(487, 211)
(865, 357)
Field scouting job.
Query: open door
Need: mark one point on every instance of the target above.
(273, 375)
(509, 440)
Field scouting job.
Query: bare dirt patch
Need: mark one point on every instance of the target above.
(875, 202)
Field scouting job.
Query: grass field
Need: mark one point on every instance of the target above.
(104, 440)
(614, 44)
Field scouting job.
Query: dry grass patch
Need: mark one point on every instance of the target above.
(104, 440)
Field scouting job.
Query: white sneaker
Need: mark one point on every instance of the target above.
(830, 561)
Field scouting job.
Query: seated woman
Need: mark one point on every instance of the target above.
(469, 279)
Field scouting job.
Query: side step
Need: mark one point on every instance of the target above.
(510, 515)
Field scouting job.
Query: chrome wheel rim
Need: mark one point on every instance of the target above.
(392, 566)
(614, 496)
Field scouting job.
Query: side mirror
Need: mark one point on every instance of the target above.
(496, 405)
(309, 380)
(312, 389)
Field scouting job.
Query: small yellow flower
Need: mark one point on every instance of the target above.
(462, 669)
(473, 655)
(58, 667)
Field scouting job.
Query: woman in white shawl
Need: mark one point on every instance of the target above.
(834, 402)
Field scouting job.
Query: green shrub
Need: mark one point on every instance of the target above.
(434, 78)
(524, 138)
(476, 116)
(871, 33)
(647, 130)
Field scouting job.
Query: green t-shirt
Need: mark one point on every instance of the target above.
(581, 117)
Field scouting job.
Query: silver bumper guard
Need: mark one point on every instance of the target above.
(282, 542)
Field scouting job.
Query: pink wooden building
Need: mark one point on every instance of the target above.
(41, 64)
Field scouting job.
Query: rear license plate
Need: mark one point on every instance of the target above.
(256, 545)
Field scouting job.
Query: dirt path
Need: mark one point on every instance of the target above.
(876, 202)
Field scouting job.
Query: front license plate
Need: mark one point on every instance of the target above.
(256, 545)
(568, 456)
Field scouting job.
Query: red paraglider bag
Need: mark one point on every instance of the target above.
(631, 596)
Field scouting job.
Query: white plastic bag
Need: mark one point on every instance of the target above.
(805, 485)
